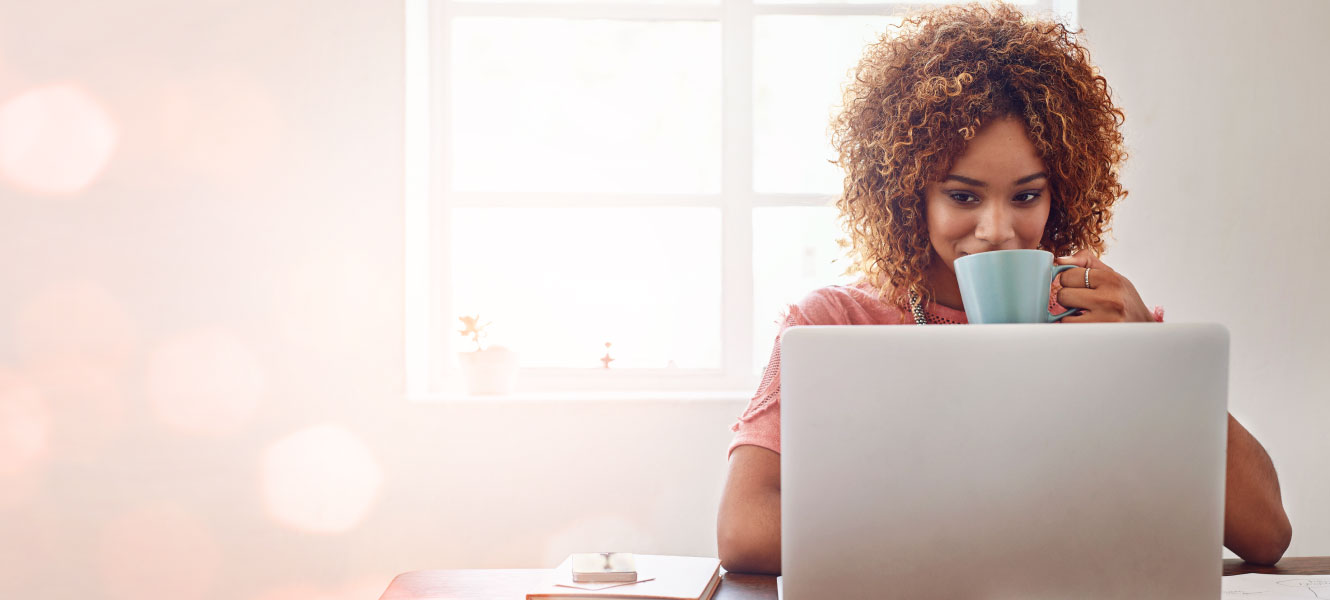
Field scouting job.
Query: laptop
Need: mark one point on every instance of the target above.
(1003, 461)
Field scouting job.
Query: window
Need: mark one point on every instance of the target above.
(655, 175)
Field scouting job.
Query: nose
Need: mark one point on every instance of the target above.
(996, 226)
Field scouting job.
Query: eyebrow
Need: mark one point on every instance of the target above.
(977, 183)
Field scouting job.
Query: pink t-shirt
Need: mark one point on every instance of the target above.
(856, 304)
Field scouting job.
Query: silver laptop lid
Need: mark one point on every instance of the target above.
(1003, 461)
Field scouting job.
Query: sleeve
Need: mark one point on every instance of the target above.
(759, 425)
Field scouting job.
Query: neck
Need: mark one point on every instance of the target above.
(942, 282)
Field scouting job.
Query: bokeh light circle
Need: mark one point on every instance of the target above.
(322, 479)
(85, 399)
(24, 425)
(55, 139)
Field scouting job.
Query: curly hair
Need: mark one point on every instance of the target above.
(922, 91)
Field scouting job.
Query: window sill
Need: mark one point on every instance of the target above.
(666, 396)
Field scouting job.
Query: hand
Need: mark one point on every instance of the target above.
(1111, 298)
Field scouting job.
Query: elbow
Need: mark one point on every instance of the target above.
(731, 554)
(1265, 558)
(1271, 548)
(742, 560)
(739, 553)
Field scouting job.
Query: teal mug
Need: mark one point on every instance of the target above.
(1008, 286)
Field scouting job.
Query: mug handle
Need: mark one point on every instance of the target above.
(1056, 270)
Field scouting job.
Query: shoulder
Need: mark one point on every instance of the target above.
(856, 304)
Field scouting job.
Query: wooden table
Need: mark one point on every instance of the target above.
(512, 584)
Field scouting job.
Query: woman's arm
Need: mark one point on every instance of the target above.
(1255, 526)
(748, 527)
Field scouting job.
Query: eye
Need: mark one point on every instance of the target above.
(1028, 197)
(963, 197)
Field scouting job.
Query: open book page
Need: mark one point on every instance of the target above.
(1256, 586)
(569, 583)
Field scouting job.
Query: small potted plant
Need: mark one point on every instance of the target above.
(487, 370)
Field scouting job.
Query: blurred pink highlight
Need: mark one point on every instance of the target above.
(74, 341)
(19, 492)
(24, 440)
(54, 139)
(365, 590)
(223, 123)
(75, 319)
(297, 592)
(322, 479)
(24, 424)
(85, 400)
(158, 552)
(205, 382)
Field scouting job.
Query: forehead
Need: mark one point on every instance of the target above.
(1003, 147)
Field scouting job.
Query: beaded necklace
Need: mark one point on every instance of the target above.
(917, 309)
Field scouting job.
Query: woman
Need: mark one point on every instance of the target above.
(967, 130)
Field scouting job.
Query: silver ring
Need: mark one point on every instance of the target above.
(1087, 278)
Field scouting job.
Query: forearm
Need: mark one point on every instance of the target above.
(1255, 525)
(749, 538)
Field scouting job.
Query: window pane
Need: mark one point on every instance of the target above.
(565, 105)
(559, 283)
(794, 252)
(799, 66)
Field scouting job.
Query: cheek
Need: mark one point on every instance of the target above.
(1031, 228)
(945, 223)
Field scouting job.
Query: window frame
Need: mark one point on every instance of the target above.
(429, 324)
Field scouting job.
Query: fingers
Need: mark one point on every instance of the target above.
(1083, 317)
(1084, 258)
(1080, 259)
(1099, 306)
(1076, 278)
(1075, 297)
(1092, 316)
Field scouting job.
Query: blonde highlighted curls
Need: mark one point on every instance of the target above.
(924, 89)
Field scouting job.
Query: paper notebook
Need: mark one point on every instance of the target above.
(660, 577)
(1277, 587)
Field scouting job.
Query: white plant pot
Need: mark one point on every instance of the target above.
(489, 372)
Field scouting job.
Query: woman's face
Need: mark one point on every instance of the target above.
(996, 197)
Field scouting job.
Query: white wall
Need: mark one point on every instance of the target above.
(1226, 125)
(250, 214)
